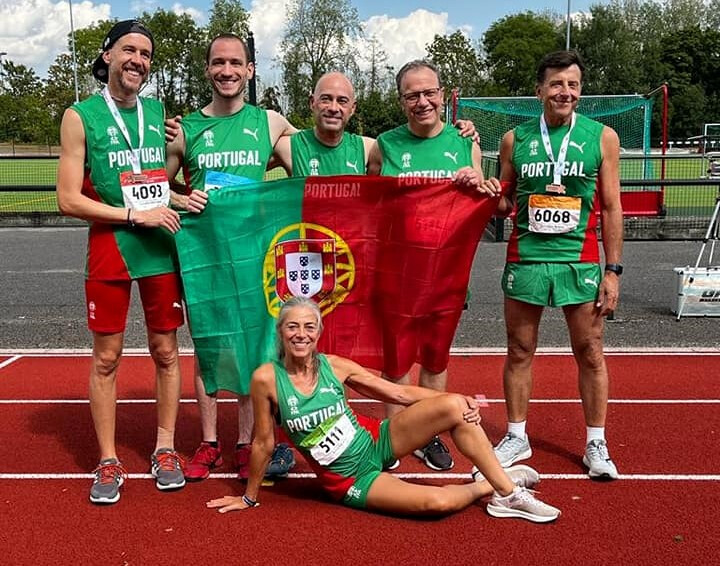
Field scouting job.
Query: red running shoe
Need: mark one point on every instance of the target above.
(205, 458)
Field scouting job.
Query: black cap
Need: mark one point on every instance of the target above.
(100, 67)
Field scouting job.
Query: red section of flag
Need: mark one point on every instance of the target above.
(412, 242)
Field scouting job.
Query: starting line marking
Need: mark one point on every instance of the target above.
(484, 402)
(413, 476)
(459, 351)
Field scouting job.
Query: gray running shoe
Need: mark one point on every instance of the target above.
(166, 466)
(513, 448)
(109, 476)
(521, 475)
(597, 459)
(435, 455)
(522, 504)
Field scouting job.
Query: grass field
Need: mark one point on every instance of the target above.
(680, 201)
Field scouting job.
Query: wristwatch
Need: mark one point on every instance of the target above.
(616, 268)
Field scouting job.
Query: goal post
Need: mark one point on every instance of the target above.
(628, 114)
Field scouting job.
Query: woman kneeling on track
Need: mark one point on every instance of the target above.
(304, 392)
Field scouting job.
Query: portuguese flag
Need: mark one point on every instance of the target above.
(373, 252)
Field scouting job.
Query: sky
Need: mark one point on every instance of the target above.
(34, 32)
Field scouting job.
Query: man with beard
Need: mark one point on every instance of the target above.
(112, 173)
(227, 142)
(562, 169)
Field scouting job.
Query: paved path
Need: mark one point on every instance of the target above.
(41, 297)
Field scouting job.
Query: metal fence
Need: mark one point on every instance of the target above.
(670, 197)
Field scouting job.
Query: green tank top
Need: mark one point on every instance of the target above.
(238, 144)
(312, 157)
(552, 227)
(406, 155)
(321, 425)
(116, 251)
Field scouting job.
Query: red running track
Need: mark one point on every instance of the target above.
(633, 521)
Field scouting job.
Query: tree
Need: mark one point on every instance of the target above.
(24, 117)
(514, 45)
(457, 61)
(316, 40)
(270, 99)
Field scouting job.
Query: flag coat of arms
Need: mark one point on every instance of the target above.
(373, 252)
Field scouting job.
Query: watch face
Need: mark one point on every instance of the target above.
(615, 268)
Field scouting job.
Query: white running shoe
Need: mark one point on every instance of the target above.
(597, 459)
(521, 475)
(522, 504)
(513, 448)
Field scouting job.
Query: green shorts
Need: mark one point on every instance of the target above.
(552, 284)
(379, 456)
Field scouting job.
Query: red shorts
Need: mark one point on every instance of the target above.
(425, 339)
(108, 303)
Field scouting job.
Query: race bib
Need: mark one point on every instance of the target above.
(553, 214)
(334, 441)
(146, 190)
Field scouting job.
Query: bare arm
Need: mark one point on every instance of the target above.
(175, 150)
(279, 126)
(612, 218)
(263, 393)
(374, 164)
(71, 201)
(370, 385)
(367, 146)
(508, 177)
(282, 155)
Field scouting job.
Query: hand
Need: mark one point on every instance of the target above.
(160, 216)
(469, 178)
(172, 128)
(491, 187)
(196, 201)
(472, 414)
(608, 294)
(227, 503)
(467, 130)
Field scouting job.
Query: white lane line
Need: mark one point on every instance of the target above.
(427, 476)
(459, 351)
(372, 401)
(10, 361)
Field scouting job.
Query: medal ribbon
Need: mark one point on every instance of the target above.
(558, 165)
(134, 154)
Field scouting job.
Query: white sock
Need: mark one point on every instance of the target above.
(595, 433)
(518, 429)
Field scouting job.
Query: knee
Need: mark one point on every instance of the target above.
(453, 405)
(439, 502)
(589, 354)
(105, 363)
(520, 351)
(164, 355)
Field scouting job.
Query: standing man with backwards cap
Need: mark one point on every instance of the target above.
(227, 142)
(425, 147)
(112, 173)
(562, 169)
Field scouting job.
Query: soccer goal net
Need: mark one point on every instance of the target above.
(629, 115)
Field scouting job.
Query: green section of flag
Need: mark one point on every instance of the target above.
(221, 253)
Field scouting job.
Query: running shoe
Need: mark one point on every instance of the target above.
(282, 461)
(521, 475)
(242, 461)
(205, 458)
(513, 448)
(109, 476)
(435, 455)
(522, 504)
(597, 459)
(166, 466)
(394, 465)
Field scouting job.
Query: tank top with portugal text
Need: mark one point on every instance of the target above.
(311, 157)
(552, 226)
(116, 251)
(406, 155)
(323, 427)
(238, 145)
